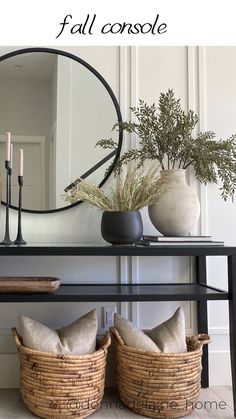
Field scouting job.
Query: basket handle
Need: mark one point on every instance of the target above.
(16, 337)
(203, 338)
(106, 341)
(115, 332)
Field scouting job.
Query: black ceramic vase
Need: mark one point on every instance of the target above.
(122, 227)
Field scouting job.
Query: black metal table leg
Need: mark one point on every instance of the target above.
(201, 276)
(232, 321)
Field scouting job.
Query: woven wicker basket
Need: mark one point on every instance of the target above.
(159, 385)
(62, 386)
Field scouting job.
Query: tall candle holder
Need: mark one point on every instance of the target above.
(10, 177)
(7, 241)
(19, 239)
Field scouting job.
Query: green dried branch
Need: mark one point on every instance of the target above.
(166, 135)
(107, 144)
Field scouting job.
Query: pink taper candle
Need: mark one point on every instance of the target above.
(21, 162)
(11, 156)
(8, 146)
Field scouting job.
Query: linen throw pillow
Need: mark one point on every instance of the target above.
(170, 335)
(78, 338)
(167, 337)
(133, 336)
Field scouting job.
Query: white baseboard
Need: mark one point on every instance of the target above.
(219, 369)
(219, 357)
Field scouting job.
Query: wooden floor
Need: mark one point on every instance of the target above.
(215, 402)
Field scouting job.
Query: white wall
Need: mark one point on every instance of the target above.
(205, 80)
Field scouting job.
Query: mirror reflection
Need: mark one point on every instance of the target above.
(56, 110)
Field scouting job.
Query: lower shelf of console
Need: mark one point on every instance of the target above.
(124, 292)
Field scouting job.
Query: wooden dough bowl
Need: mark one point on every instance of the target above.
(28, 285)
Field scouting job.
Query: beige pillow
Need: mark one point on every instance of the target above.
(133, 336)
(170, 335)
(167, 337)
(78, 338)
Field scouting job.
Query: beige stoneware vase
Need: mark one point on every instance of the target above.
(178, 210)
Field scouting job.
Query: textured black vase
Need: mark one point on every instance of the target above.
(122, 227)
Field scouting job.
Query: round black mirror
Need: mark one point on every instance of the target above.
(56, 106)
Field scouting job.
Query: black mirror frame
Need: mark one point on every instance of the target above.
(116, 105)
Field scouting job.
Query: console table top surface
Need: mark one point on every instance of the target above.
(103, 249)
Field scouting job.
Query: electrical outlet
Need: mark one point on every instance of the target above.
(108, 316)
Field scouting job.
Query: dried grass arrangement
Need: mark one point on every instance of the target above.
(133, 191)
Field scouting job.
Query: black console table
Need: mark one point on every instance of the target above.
(199, 291)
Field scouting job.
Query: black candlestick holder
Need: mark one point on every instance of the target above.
(7, 241)
(9, 178)
(19, 239)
